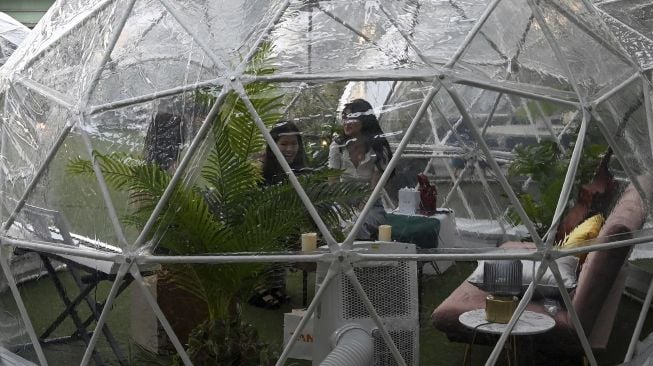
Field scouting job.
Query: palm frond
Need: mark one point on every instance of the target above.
(230, 178)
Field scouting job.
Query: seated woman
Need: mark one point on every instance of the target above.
(271, 292)
(363, 153)
(289, 140)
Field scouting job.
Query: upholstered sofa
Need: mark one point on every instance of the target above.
(595, 298)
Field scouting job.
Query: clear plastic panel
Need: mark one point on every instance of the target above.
(131, 128)
(121, 139)
(587, 17)
(516, 130)
(497, 46)
(67, 208)
(34, 125)
(395, 106)
(595, 62)
(436, 28)
(636, 14)
(624, 115)
(630, 22)
(516, 51)
(139, 148)
(154, 54)
(466, 182)
(12, 34)
(211, 20)
(79, 54)
(627, 31)
(327, 37)
(57, 23)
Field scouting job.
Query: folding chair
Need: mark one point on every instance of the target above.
(51, 226)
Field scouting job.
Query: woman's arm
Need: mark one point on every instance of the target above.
(335, 156)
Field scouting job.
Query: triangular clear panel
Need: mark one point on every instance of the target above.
(56, 24)
(595, 62)
(517, 51)
(437, 28)
(338, 36)
(624, 117)
(33, 129)
(139, 147)
(211, 20)
(627, 28)
(79, 53)
(588, 18)
(134, 70)
(66, 206)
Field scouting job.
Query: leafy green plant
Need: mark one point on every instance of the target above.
(546, 165)
(317, 152)
(228, 343)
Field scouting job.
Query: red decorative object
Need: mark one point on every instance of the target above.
(428, 195)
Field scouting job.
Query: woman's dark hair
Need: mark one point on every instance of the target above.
(370, 129)
(272, 171)
(163, 140)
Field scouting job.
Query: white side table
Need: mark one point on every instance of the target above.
(529, 323)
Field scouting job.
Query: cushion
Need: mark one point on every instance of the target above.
(583, 233)
(547, 286)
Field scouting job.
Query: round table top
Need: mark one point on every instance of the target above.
(529, 323)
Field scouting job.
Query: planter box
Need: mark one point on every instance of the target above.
(183, 311)
(303, 349)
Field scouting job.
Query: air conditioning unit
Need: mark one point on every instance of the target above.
(391, 286)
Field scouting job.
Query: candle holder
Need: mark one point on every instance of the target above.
(309, 242)
(385, 233)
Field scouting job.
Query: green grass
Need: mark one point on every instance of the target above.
(435, 349)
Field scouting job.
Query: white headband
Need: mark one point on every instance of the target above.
(358, 114)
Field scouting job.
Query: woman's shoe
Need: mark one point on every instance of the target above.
(281, 295)
(264, 299)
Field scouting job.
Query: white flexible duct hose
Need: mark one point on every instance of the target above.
(353, 347)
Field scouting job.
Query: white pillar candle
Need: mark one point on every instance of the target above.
(385, 233)
(309, 242)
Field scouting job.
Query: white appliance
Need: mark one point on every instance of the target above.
(391, 286)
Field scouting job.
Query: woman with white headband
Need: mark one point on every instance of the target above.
(363, 153)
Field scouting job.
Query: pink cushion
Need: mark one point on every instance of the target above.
(601, 268)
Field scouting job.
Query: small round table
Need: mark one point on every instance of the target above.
(529, 323)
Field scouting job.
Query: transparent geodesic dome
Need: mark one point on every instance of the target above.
(136, 129)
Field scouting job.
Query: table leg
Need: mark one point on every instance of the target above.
(304, 288)
(514, 350)
(467, 359)
(420, 272)
(436, 268)
(508, 349)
